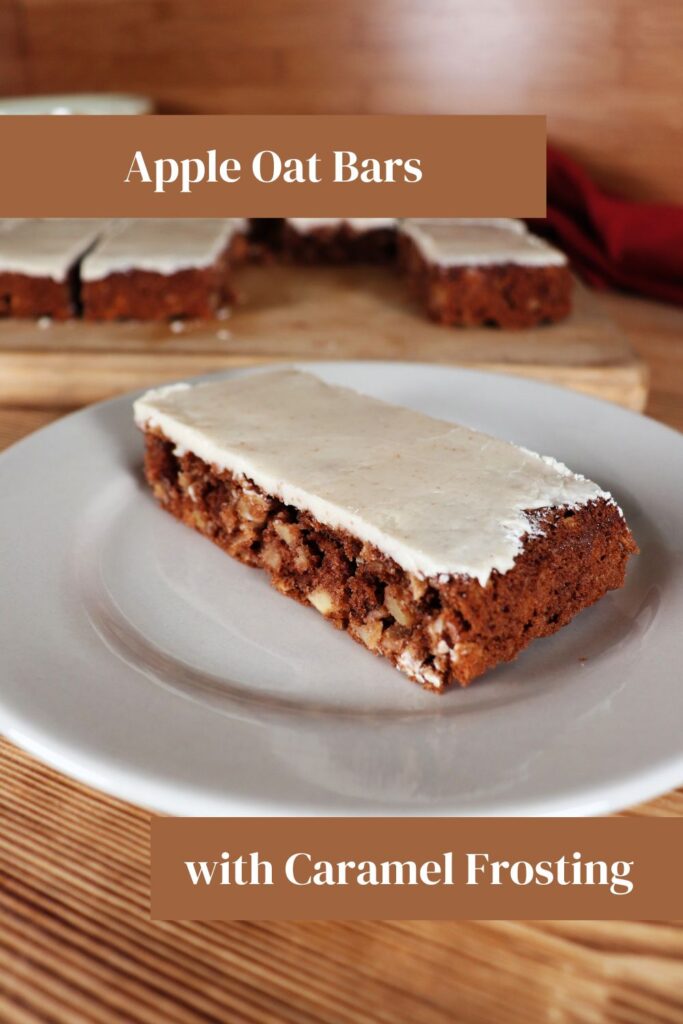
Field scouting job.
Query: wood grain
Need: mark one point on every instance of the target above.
(286, 314)
(655, 331)
(607, 74)
(12, 54)
(78, 947)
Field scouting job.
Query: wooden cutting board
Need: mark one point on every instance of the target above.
(296, 313)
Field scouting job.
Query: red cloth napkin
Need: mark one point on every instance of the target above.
(610, 241)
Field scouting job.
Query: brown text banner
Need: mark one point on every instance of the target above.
(272, 166)
(421, 868)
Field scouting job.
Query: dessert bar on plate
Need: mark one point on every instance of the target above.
(39, 265)
(162, 269)
(444, 550)
(492, 271)
(339, 240)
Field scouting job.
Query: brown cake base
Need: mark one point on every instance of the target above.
(437, 633)
(192, 294)
(34, 297)
(338, 244)
(508, 295)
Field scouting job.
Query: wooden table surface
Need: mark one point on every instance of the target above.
(80, 947)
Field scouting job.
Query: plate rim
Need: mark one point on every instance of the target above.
(643, 786)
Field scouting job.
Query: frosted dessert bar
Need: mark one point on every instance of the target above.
(337, 240)
(440, 548)
(162, 269)
(469, 272)
(39, 262)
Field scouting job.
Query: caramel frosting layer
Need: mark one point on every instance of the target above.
(304, 225)
(438, 498)
(46, 248)
(462, 242)
(161, 246)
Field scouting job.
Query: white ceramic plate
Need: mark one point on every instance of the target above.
(139, 658)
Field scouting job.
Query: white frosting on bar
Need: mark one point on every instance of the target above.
(46, 248)
(480, 242)
(304, 225)
(160, 246)
(438, 498)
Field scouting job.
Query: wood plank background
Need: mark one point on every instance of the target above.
(79, 947)
(609, 74)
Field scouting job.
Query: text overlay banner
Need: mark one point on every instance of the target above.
(273, 166)
(425, 868)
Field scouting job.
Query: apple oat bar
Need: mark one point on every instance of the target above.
(440, 548)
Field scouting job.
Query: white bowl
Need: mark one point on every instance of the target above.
(77, 103)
